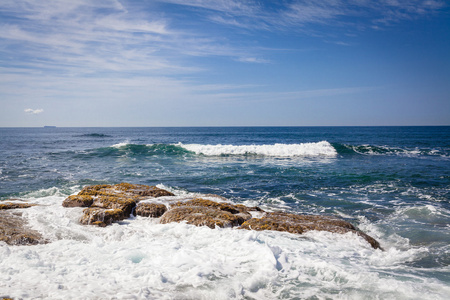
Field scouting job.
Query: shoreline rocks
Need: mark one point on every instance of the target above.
(13, 228)
(106, 204)
(152, 210)
(14, 231)
(299, 224)
(111, 203)
(14, 205)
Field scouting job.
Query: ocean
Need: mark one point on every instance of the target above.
(393, 183)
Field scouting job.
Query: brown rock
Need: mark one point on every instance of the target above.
(78, 201)
(105, 199)
(113, 202)
(202, 216)
(110, 203)
(238, 210)
(11, 205)
(128, 190)
(143, 190)
(299, 224)
(152, 210)
(13, 231)
(101, 217)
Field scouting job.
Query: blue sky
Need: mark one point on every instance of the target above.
(224, 63)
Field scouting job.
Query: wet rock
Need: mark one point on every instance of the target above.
(239, 210)
(15, 205)
(14, 231)
(109, 203)
(112, 202)
(202, 216)
(299, 224)
(101, 217)
(202, 212)
(78, 201)
(293, 223)
(125, 190)
(152, 210)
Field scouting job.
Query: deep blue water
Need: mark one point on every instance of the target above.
(394, 178)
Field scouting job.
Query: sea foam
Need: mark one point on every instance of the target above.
(322, 148)
(142, 259)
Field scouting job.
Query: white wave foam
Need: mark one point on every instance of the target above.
(119, 145)
(322, 148)
(141, 259)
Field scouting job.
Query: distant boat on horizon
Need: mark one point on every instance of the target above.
(46, 126)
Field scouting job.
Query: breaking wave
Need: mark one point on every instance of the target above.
(314, 149)
(323, 148)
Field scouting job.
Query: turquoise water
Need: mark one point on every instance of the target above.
(392, 182)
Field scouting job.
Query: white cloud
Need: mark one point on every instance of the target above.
(91, 37)
(109, 50)
(296, 14)
(34, 111)
(252, 60)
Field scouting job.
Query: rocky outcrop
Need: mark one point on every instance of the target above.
(280, 221)
(78, 201)
(14, 231)
(299, 224)
(110, 203)
(125, 190)
(152, 210)
(105, 204)
(102, 217)
(14, 205)
(202, 216)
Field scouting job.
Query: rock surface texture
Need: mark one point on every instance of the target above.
(106, 204)
(299, 224)
(14, 231)
(110, 203)
(14, 205)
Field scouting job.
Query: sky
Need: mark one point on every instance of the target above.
(117, 63)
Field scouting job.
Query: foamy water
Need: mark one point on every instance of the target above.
(323, 148)
(142, 259)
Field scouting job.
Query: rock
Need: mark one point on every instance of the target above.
(201, 212)
(152, 210)
(101, 217)
(280, 221)
(78, 201)
(299, 224)
(109, 203)
(13, 231)
(127, 190)
(11, 205)
(202, 216)
(239, 209)
(113, 202)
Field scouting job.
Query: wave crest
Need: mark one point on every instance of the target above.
(322, 148)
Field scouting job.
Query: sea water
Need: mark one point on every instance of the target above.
(391, 182)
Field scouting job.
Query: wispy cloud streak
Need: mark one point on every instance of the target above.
(33, 111)
(103, 51)
(296, 14)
